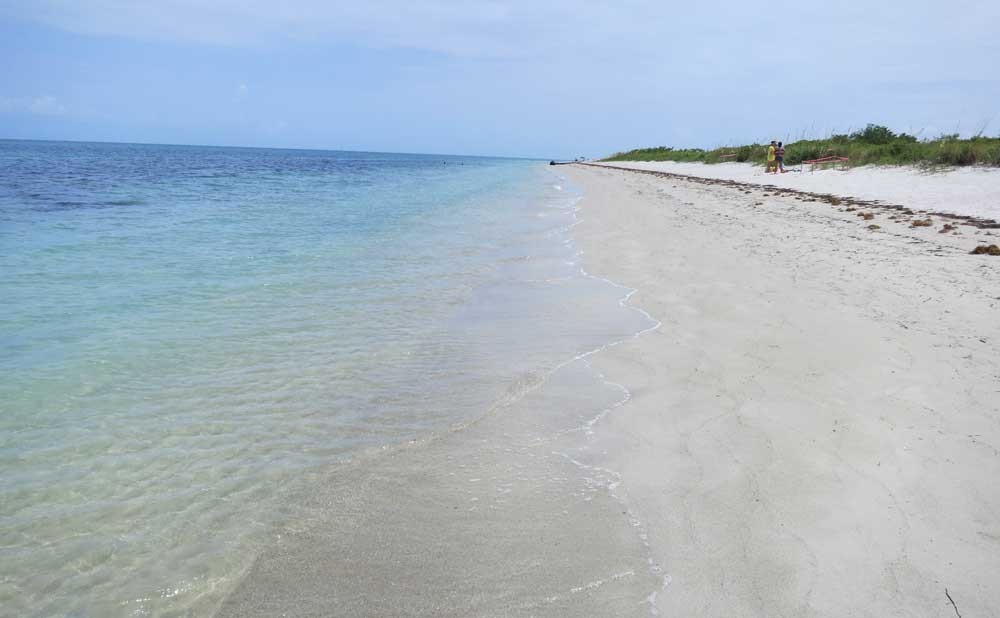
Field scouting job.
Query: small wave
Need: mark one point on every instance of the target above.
(520, 386)
(62, 205)
(129, 202)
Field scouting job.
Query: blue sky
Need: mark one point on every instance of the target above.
(522, 78)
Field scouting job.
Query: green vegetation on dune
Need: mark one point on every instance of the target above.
(874, 145)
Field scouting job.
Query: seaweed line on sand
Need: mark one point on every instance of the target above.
(977, 222)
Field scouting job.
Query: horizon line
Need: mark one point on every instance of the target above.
(431, 154)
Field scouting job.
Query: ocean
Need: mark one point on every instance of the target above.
(191, 336)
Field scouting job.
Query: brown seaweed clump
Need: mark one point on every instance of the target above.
(921, 223)
(868, 216)
(874, 227)
(986, 250)
(947, 227)
(848, 209)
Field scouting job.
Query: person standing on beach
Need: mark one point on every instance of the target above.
(770, 157)
(779, 157)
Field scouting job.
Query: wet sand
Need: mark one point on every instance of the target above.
(509, 516)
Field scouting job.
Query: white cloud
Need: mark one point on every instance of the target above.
(274, 127)
(490, 28)
(242, 92)
(45, 105)
(721, 35)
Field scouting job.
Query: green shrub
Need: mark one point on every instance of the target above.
(873, 145)
(874, 134)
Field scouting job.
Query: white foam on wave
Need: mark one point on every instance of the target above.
(610, 479)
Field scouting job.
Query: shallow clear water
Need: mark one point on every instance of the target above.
(189, 335)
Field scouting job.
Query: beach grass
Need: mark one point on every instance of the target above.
(873, 145)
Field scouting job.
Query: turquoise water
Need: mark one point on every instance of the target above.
(190, 334)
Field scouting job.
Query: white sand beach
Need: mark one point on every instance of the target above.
(815, 428)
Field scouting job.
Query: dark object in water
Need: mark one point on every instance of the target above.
(986, 250)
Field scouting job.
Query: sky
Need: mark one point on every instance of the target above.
(549, 79)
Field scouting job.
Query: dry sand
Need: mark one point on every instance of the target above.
(815, 428)
(964, 190)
